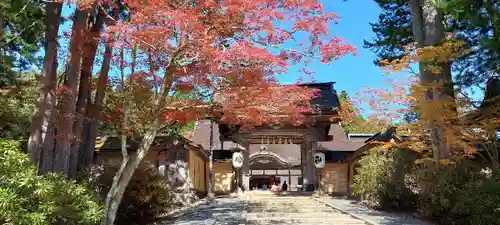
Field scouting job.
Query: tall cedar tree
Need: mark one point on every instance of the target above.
(70, 107)
(474, 22)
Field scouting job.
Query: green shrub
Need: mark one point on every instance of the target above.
(459, 194)
(26, 198)
(146, 196)
(381, 179)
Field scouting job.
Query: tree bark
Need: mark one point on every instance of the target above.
(67, 105)
(123, 176)
(89, 53)
(129, 165)
(429, 30)
(46, 159)
(53, 16)
(94, 109)
(2, 21)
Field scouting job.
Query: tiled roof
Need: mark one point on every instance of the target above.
(328, 99)
(222, 155)
(336, 156)
(201, 136)
(348, 146)
(340, 141)
(113, 143)
(359, 137)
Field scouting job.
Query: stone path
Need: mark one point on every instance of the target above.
(371, 216)
(262, 210)
(297, 210)
(220, 211)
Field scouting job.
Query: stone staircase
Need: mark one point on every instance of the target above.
(270, 209)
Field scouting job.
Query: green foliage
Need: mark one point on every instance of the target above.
(17, 103)
(381, 179)
(22, 36)
(459, 194)
(353, 121)
(146, 196)
(473, 22)
(26, 198)
(477, 24)
(462, 193)
(393, 30)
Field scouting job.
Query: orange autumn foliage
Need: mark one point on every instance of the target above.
(404, 100)
(227, 48)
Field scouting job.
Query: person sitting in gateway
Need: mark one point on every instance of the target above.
(275, 187)
(284, 186)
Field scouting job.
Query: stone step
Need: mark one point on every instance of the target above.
(288, 206)
(282, 198)
(303, 221)
(309, 204)
(299, 216)
(299, 210)
(298, 223)
(295, 223)
(286, 202)
(271, 210)
(291, 201)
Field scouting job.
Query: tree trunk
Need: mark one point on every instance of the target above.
(53, 10)
(129, 165)
(2, 21)
(46, 159)
(89, 53)
(124, 174)
(429, 30)
(67, 105)
(94, 109)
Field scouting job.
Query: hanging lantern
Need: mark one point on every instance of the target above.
(319, 159)
(237, 160)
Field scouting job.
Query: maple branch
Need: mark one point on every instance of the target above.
(107, 14)
(116, 21)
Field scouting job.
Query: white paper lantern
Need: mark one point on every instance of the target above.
(319, 159)
(237, 160)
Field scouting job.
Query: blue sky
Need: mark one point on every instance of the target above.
(351, 73)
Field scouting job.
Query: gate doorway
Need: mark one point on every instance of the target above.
(263, 182)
